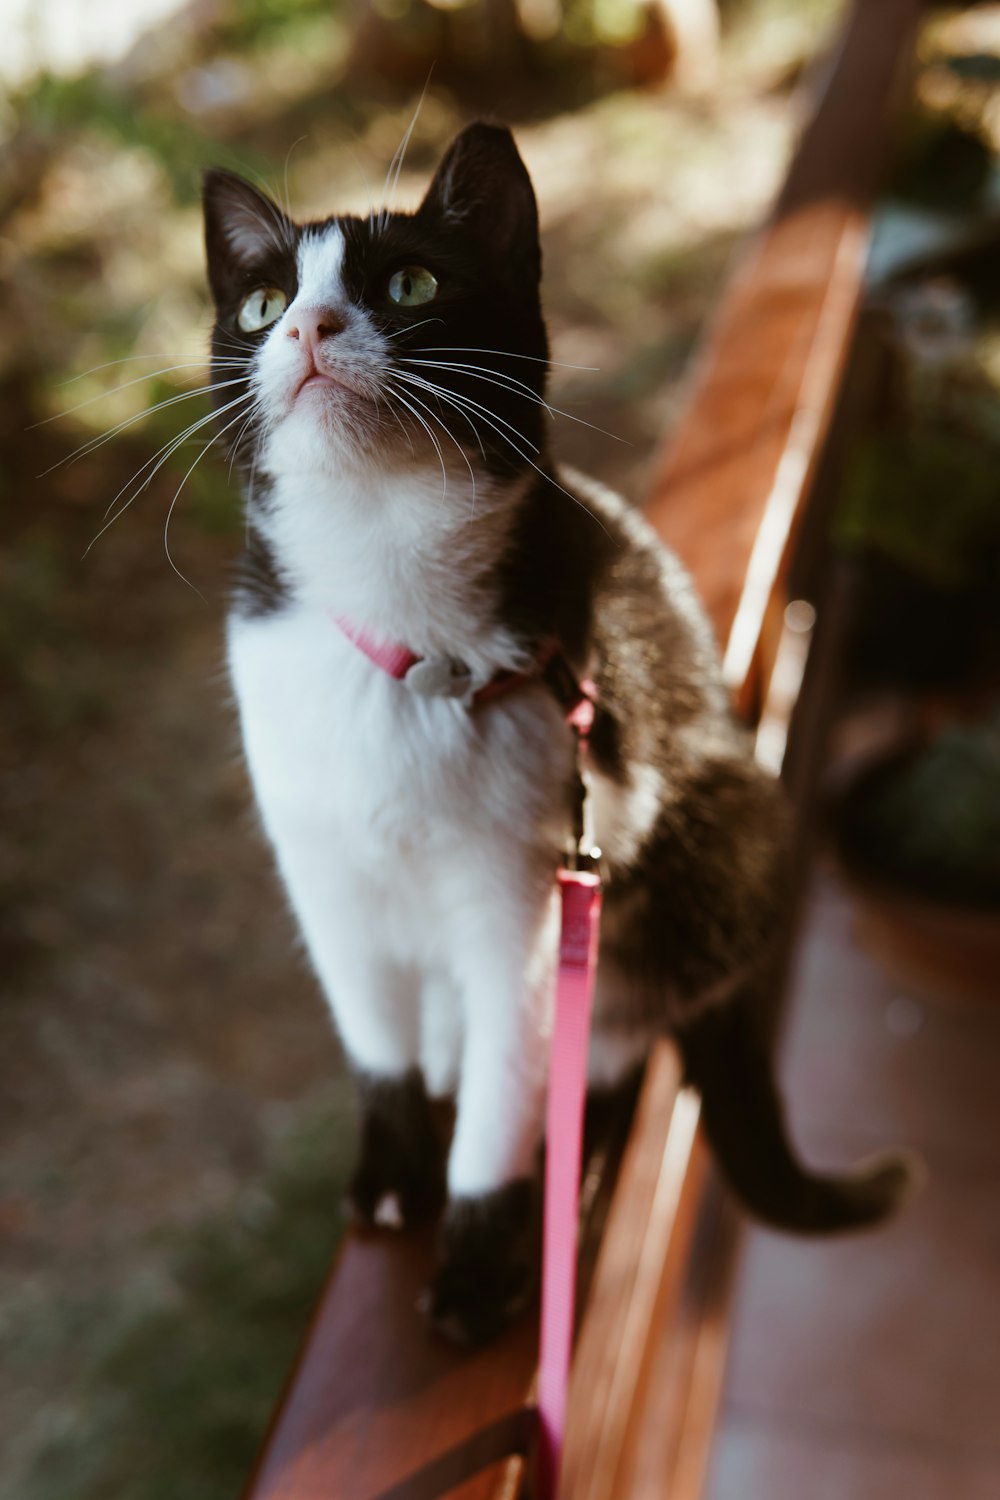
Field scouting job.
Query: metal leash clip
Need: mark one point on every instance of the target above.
(583, 853)
(440, 677)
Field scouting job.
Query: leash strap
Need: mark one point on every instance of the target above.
(580, 898)
(580, 891)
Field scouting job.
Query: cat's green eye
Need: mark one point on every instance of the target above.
(411, 286)
(262, 308)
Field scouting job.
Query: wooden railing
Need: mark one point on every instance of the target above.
(376, 1409)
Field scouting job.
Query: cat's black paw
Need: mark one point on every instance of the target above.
(486, 1272)
(399, 1178)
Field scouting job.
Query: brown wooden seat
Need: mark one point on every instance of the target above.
(375, 1408)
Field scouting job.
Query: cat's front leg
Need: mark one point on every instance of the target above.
(488, 1247)
(399, 1176)
(398, 1180)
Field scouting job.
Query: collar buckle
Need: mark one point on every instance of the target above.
(440, 677)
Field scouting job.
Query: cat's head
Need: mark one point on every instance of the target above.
(395, 338)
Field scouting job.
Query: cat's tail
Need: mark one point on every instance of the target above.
(726, 1061)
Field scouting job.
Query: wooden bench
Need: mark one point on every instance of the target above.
(376, 1408)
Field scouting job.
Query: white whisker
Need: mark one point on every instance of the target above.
(242, 346)
(465, 457)
(437, 446)
(411, 328)
(287, 203)
(516, 388)
(367, 183)
(97, 442)
(280, 225)
(170, 509)
(509, 354)
(237, 440)
(103, 395)
(389, 194)
(417, 381)
(167, 450)
(127, 360)
(457, 403)
(467, 401)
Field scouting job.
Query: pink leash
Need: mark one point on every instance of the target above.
(580, 892)
(581, 910)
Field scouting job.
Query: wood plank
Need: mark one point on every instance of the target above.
(376, 1407)
(670, 1457)
(764, 388)
(657, 1186)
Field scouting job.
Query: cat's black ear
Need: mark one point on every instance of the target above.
(243, 229)
(483, 184)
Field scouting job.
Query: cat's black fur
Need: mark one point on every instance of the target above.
(701, 904)
(400, 1151)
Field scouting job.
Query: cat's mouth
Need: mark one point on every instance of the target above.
(319, 380)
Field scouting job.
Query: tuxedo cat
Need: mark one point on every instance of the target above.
(415, 565)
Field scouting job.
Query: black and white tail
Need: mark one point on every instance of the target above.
(726, 1061)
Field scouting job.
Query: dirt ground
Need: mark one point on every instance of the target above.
(175, 1117)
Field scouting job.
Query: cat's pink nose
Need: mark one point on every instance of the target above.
(310, 325)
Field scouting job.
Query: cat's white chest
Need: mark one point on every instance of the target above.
(349, 754)
(331, 742)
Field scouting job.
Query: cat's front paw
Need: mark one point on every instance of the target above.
(486, 1272)
(399, 1178)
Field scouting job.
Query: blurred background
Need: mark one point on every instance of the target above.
(176, 1121)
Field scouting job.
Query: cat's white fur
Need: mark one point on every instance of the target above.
(414, 839)
(412, 842)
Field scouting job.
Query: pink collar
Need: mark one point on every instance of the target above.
(396, 660)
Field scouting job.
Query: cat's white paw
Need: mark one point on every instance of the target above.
(388, 1212)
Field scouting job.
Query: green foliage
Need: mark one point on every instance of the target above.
(254, 21)
(208, 492)
(592, 23)
(48, 693)
(933, 819)
(928, 499)
(64, 107)
(942, 163)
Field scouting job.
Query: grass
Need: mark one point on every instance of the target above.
(181, 1385)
